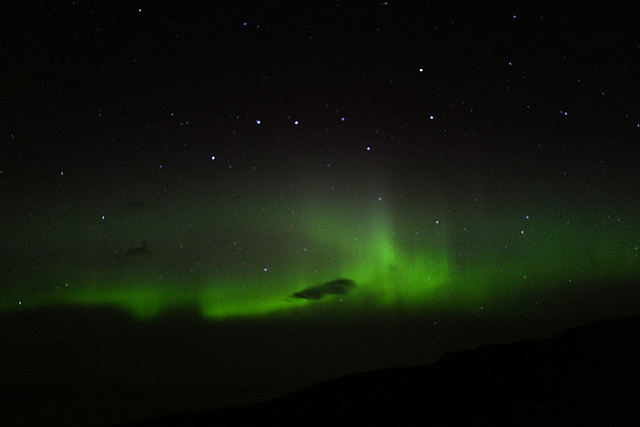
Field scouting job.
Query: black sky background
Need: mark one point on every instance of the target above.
(530, 103)
(90, 86)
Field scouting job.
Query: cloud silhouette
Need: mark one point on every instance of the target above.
(133, 254)
(142, 249)
(334, 287)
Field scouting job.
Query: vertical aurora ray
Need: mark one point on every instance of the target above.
(410, 258)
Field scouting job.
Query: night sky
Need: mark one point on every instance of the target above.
(468, 166)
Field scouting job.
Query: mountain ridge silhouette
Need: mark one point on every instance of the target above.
(587, 375)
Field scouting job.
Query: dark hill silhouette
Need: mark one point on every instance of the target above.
(588, 375)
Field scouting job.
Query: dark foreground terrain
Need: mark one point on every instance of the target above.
(588, 375)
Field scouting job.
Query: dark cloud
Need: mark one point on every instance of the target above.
(133, 254)
(334, 287)
(142, 249)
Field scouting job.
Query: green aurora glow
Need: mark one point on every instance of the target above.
(399, 261)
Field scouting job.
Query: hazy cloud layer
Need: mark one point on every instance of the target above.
(334, 287)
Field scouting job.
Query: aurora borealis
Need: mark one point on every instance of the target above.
(245, 197)
(248, 258)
